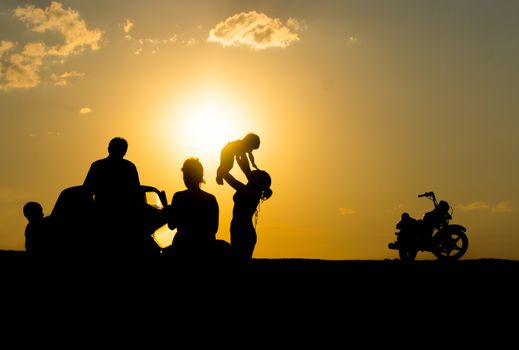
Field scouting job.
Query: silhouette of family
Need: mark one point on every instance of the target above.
(113, 218)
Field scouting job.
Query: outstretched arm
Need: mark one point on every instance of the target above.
(236, 184)
(252, 161)
(243, 162)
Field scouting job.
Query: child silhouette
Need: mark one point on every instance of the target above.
(37, 236)
(232, 149)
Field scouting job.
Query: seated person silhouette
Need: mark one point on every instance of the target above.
(39, 239)
(114, 183)
(195, 214)
(242, 148)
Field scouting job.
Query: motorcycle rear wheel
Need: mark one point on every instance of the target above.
(451, 245)
(407, 254)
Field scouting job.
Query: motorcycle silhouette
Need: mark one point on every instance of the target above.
(433, 234)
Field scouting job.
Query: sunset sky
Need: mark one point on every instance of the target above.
(360, 107)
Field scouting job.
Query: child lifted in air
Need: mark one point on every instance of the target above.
(232, 149)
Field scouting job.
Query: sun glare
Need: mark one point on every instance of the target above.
(207, 125)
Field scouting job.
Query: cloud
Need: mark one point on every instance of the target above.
(21, 69)
(501, 207)
(256, 30)
(85, 110)
(53, 133)
(153, 45)
(346, 211)
(63, 79)
(127, 25)
(64, 21)
(5, 46)
(34, 50)
(150, 44)
(478, 205)
(352, 39)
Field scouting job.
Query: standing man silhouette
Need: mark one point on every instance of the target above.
(114, 183)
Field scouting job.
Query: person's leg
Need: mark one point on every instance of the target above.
(226, 163)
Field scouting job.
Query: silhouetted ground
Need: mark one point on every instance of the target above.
(286, 301)
(304, 275)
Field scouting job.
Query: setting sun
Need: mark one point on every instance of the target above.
(203, 124)
(208, 125)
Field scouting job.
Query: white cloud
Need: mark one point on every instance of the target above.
(63, 79)
(22, 72)
(346, 211)
(34, 50)
(5, 46)
(501, 207)
(152, 45)
(191, 42)
(85, 110)
(22, 68)
(65, 21)
(294, 24)
(127, 25)
(478, 205)
(53, 133)
(256, 30)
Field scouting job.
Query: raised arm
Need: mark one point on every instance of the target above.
(236, 184)
(252, 161)
(243, 162)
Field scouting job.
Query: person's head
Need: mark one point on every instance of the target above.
(261, 180)
(405, 216)
(117, 147)
(33, 211)
(252, 141)
(193, 173)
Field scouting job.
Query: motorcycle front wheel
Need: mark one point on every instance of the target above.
(451, 245)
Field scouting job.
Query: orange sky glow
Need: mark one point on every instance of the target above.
(360, 107)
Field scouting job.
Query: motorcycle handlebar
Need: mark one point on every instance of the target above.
(426, 194)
